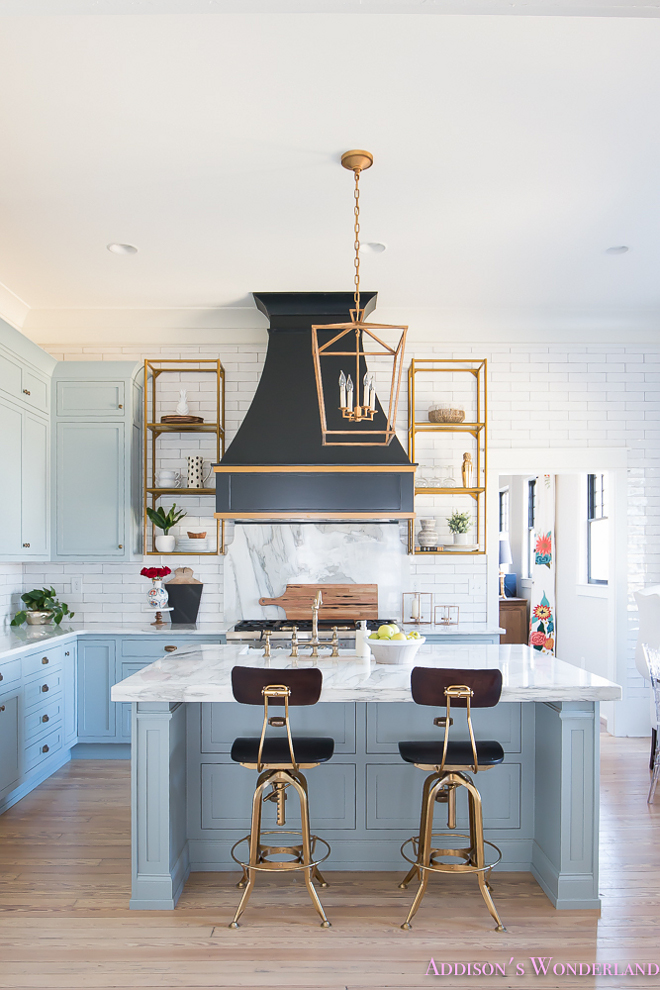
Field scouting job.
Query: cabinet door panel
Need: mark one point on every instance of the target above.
(11, 456)
(90, 508)
(10, 377)
(41, 722)
(35, 391)
(223, 721)
(39, 751)
(41, 690)
(387, 724)
(9, 741)
(43, 661)
(69, 671)
(10, 673)
(34, 529)
(96, 675)
(83, 399)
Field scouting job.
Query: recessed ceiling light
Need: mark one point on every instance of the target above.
(373, 247)
(617, 249)
(122, 248)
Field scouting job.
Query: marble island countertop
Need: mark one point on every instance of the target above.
(202, 673)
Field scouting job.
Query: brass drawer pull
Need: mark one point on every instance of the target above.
(44, 660)
(45, 718)
(2, 708)
(26, 391)
(26, 544)
(170, 649)
(44, 688)
(45, 749)
(120, 406)
(120, 546)
(66, 654)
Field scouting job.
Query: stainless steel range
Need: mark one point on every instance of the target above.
(249, 630)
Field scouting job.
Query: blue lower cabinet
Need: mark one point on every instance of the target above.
(10, 740)
(97, 717)
(70, 700)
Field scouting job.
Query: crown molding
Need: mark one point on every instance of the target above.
(13, 310)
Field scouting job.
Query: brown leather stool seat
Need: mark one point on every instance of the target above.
(308, 749)
(459, 753)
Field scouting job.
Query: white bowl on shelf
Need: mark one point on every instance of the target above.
(395, 650)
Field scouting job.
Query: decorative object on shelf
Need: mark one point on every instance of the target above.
(449, 481)
(347, 341)
(182, 408)
(196, 476)
(165, 521)
(169, 479)
(417, 607)
(186, 544)
(157, 596)
(459, 524)
(428, 536)
(196, 536)
(185, 593)
(41, 608)
(446, 615)
(444, 414)
(467, 470)
(158, 474)
(506, 557)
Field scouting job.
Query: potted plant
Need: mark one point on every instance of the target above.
(41, 607)
(165, 521)
(459, 525)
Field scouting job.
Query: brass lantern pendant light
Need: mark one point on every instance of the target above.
(350, 411)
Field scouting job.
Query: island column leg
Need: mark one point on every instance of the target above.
(567, 794)
(159, 841)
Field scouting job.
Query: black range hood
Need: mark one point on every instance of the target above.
(277, 468)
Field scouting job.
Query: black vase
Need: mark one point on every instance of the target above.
(184, 601)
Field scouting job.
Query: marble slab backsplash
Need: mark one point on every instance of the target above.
(262, 560)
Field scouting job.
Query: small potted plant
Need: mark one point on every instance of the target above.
(460, 524)
(41, 608)
(165, 521)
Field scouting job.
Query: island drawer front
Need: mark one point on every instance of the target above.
(10, 674)
(148, 649)
(394, 796)
(227, 790)
(41, 721)
(41, 750)
(388, 724)
(222, 722)
(42, 689)
(42, 661)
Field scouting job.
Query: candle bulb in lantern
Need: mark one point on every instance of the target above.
(366, 390)
(342, 390)
(414, 608)
(349, 393)
(372, 393)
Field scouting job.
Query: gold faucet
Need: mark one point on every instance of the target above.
(294, 642)
(267, 634)
(318, 601)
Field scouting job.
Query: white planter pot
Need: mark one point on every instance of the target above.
(461, 537)
(165, 544)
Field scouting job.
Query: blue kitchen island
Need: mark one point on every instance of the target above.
(191, 803)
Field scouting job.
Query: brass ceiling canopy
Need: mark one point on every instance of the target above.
(358, 404)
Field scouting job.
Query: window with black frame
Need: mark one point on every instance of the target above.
(598, 533)
(531, 524)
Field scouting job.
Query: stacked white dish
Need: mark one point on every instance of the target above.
(184, 544)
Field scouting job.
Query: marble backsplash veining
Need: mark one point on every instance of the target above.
(262, 560)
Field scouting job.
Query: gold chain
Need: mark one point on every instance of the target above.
(356, 243)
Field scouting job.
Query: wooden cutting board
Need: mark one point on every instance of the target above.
(340, 601)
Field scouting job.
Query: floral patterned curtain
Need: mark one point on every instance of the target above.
(542, 622)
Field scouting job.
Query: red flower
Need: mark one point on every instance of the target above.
(537, 639)
(544, 544)
(155, 572)
(542, 612)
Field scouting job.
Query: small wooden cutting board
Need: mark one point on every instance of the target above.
(343, 602)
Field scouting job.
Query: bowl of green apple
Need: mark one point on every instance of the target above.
(390, 645)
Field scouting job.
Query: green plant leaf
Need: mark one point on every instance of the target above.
(18, 619)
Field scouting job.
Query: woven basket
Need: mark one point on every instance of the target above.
(446, 415)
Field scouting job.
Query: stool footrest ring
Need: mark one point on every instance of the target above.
(465, 853)
(297, 851)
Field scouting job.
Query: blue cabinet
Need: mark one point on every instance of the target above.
(97, 718)
(97, 416)
(9, 739)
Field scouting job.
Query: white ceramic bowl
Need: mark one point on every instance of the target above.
(395, 650)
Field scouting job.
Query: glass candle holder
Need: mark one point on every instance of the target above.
(417, 608)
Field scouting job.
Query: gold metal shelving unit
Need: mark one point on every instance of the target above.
(153, 430)
(477, 369)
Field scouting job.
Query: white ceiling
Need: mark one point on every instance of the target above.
(510, 152)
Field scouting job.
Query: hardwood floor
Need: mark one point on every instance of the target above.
(64, 922)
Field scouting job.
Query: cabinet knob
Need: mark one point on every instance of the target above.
(45, 718)
(1, 677)
(44, 688)
(2, 708)
(26, 391)
(45, 749)
(120, 406)
(26, 544)
(120, 546)
(66, 653)
(44, 660)
(170, 649)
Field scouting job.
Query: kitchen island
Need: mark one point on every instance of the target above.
(191, 803)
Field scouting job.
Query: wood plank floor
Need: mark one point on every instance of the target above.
(64, 922)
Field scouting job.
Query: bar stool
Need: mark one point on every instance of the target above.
(279, 760)
(450, 762)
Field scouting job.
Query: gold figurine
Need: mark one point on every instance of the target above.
(466, 470)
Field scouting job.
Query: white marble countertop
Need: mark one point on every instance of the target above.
(203, 674)
(13, 641)
(460, 629)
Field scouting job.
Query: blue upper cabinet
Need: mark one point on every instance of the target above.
(25, 372)
(96, 443)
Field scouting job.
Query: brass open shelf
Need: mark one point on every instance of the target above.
(477, 370)
(152, 372)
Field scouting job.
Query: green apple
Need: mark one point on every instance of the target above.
(374, 636)
(399, 636)
(386, 632)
